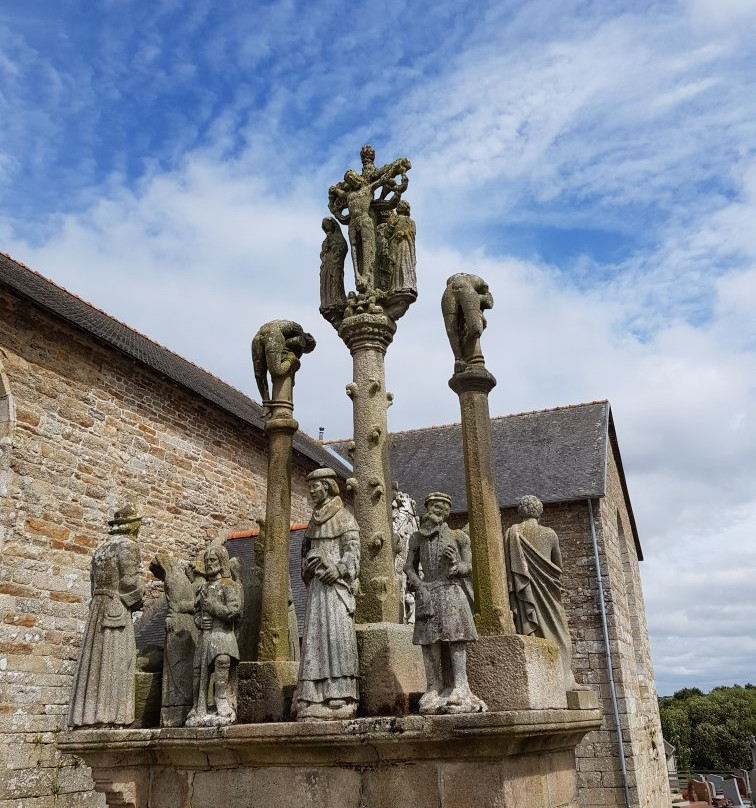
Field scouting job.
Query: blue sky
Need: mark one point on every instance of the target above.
(595, 162)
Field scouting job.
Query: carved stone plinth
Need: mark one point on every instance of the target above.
(392, 677)
(368, 335)
(266, 690)
(274, 622)
(492, 613)
(518, 758)
(516, 673)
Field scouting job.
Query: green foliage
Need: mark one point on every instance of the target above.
(710, 730)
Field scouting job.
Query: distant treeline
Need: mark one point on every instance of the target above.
(710, 730)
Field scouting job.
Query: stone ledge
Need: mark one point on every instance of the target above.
(359, 741)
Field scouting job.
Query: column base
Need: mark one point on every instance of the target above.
(512, 672)
(392, 675)
(265, 691)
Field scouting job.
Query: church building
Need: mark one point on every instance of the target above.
(94, 415)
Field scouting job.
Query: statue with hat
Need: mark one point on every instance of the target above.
(103, 689)
(328, 669)
(443, 615)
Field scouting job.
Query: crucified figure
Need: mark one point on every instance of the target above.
(353, 204)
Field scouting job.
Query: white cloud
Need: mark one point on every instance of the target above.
(639, 125)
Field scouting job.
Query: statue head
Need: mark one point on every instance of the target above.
(216, 562)
(403, 207)
(329, 224)
(353, 179)
(437, 507)
(530, 507)
(125, 521)
(367, 154)
(323, 485)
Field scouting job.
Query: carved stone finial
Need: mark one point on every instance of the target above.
(277, 348)
(463, 302)
(381, 240)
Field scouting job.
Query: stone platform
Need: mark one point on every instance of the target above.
(523, 758)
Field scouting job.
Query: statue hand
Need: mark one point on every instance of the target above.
(207, 622)
(330, 575)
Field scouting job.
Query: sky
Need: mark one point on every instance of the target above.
(594, 161)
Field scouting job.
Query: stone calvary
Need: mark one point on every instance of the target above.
(434, 665)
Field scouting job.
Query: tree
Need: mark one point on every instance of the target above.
(710, 731)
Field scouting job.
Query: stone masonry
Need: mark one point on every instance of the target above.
(83, 427)
(599, 773)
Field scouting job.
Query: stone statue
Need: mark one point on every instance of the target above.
(534, 571)
(103, 689)
(404, 523)
(328, 671)
(353, 203)
(443, 617)
(332, 256)
(277, 348)
(463, 302)
(401, 251)
(180, 638)
(217, 607)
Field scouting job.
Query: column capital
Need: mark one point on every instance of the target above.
(474, 379)
(367, 331)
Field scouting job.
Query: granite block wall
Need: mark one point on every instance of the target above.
(83, 428)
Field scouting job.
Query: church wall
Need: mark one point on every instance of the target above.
(634, 679)
(92, 428)
(598, 762)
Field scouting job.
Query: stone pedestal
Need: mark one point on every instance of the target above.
(392, 676)
(511, 672)
(266, 690)
(514, 759)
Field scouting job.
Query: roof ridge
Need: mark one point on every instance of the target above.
(493, 418)
(122, 323)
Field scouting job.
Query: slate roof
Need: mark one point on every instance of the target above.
(559, 454)
(53, 298)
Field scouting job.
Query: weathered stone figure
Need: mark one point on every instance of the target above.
(180, 638)
(217, 608)
(103, 689)
(332, 256)
(328, 671)
(401, 251)
(443, 618)
(353, 204)
(404, 523)
(463, 302)
(534, 571)
(276, 350)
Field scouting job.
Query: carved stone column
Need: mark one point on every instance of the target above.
(492, 613)
(267, 685)
(368, 335)
(274, 622)
(506, 670)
